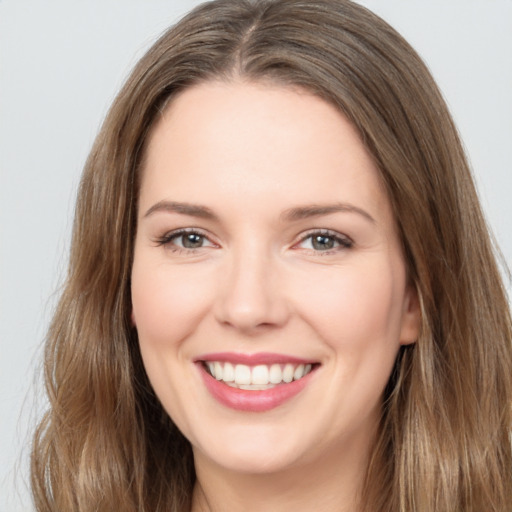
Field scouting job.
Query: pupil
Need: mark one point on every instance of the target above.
(323, 242)
(192, 240)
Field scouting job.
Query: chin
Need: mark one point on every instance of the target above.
(251, 451)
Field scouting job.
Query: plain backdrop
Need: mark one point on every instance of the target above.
(61, 63)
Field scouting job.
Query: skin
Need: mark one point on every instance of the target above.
(255, 283)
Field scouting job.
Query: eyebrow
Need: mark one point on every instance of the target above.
(290, 215)
(315, 210)
(193, 210)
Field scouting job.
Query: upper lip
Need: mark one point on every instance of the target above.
(253, 359)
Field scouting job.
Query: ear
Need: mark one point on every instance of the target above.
(411, 317)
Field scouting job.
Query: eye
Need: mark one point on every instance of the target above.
(185, 239)
(189, 240)
(325, 241)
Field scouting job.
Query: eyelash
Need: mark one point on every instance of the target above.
(343, 242)
(167, 239)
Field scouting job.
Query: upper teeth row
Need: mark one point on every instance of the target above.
(242, 374)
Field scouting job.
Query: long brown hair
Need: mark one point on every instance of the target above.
(444, 440)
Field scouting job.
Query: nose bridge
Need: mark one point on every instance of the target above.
(250, 295)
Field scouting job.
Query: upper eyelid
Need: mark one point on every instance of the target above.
(169, 235)
(178, 231)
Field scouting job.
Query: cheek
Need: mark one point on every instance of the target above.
(357, 316)
(167, 302)
(356, 307)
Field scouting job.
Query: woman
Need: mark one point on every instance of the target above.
(281, 292)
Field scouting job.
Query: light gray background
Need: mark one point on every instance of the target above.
(61, 62)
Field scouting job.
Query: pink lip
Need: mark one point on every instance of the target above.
(252, 401)
(252, 359)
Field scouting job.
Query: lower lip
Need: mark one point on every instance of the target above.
(252, 401)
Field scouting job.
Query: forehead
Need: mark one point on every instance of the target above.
(248, 140)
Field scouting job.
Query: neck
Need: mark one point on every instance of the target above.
(332, 483)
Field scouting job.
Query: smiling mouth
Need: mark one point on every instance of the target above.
(258, 377)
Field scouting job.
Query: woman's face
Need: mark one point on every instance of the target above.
(268, 285)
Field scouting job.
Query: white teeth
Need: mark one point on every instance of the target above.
(228, 374)
(299, 372)
(218, 370)
(257, 377)
(288, 373)
(260, 375)
(254, 387)
(242, 374)
(276, 374)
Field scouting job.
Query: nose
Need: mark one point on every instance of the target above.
(251, 297)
